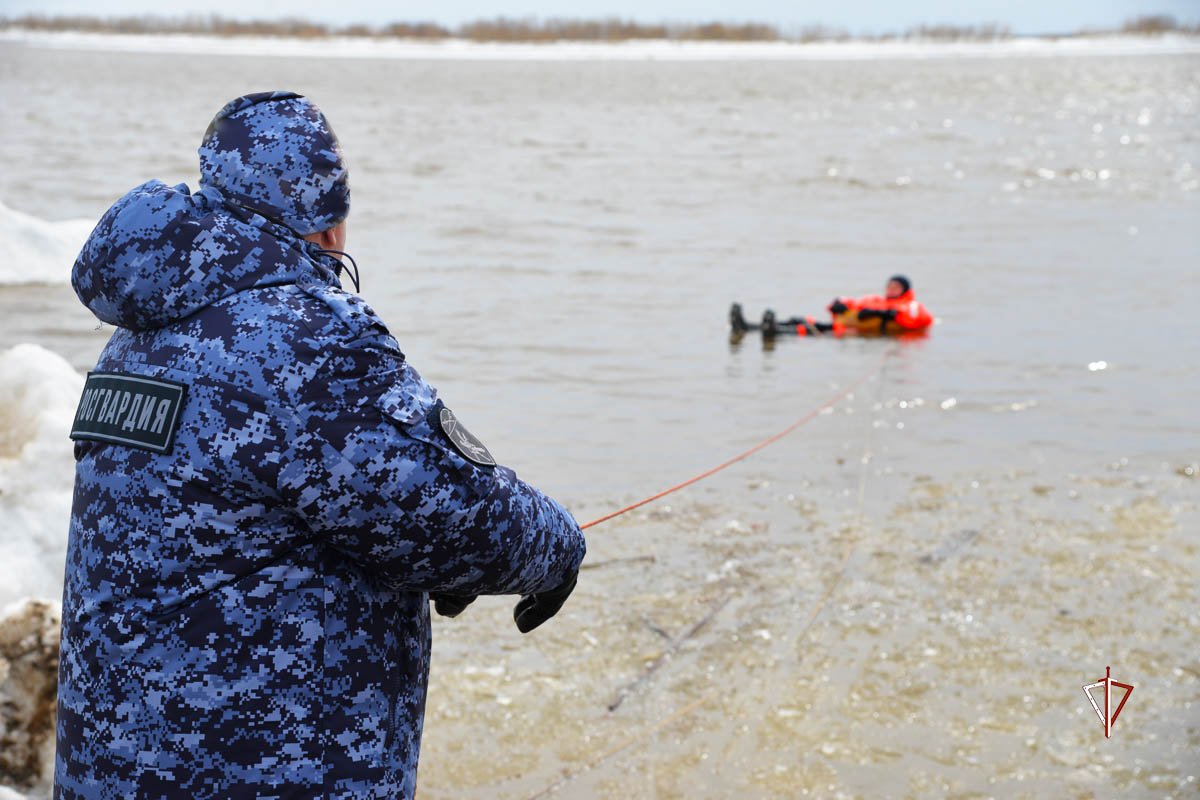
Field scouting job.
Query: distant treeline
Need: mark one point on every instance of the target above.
(550, 30)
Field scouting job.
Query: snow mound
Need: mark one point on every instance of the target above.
(39, 391)
(34, 250)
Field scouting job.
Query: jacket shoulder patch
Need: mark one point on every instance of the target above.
(131, 410)
(465, 442)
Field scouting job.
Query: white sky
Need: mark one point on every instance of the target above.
(859, 16)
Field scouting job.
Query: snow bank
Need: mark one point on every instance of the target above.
(38, 394)
(646, 50)
(33, 250)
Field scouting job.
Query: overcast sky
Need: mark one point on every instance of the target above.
(859, 16)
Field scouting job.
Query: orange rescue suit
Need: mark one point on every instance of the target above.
(911, 316)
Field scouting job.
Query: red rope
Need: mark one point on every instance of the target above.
(832, 401)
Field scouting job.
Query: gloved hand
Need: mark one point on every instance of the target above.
(877, 313)
(450, 605)
(838, 307)
(534, 609)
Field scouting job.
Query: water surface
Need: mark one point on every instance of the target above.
(908, 593)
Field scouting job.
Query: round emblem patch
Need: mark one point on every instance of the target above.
(463, 440)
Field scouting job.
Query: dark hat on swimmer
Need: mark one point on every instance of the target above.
(275, 153)
(903, 281)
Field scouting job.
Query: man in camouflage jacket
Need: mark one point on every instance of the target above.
(266, 496)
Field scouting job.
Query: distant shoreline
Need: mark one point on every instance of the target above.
(452, 49)
(614, 30)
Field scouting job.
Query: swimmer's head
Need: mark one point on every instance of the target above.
(897, 285)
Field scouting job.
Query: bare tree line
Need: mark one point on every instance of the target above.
(502, 29)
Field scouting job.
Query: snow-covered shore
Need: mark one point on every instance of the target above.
(643, 50)
(38, 394)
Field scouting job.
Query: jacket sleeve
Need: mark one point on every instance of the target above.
(912, 316)
(370, 469)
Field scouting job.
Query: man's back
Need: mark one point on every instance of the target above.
(245, 611)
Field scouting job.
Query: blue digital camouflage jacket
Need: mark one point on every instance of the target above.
(245, 611)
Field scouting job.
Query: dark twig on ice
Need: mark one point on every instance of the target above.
(657, 663)
(655, 628)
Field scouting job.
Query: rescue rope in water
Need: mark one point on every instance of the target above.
(649, 731)
(809, 417)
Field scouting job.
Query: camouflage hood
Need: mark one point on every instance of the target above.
(162, 253)
(275, 153)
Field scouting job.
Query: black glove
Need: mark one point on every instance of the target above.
(877, 313)
(838, 307)
(450, 605)
(534, 609)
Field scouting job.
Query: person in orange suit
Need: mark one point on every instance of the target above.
(897, 312)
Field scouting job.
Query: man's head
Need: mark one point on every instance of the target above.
(897, 285)
(275, 153)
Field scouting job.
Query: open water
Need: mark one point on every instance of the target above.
(901, 599)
